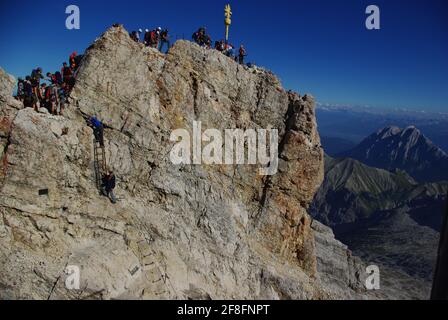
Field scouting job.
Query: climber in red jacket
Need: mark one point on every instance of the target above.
(72, 60)
(67, 75)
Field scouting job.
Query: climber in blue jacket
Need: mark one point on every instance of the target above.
(98, 130)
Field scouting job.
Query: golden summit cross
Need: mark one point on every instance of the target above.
(227, 21)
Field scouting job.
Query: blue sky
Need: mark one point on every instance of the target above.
(316, 46)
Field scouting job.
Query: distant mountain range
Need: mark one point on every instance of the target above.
(386, 218)
(406, 149)
(384, 199)
(353, 193)
(384, 195)
(342, 126)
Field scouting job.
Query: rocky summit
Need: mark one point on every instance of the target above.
(177, 231)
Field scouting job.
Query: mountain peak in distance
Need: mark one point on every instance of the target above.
(393, 148)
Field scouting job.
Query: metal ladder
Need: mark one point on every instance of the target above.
(99, 162)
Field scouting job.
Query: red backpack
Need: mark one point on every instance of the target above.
(153, 36)
(48, 93)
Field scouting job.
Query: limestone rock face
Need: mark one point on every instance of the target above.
(337, 266)
(8, 110)
(177, 231)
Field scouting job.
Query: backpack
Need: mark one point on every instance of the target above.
(164, 35)
(48, 93)
(153, 37)
(58, 78)
(147, 37)
(67, 72)
(134, 36)
(35, 78)
(195, 36)
(28, 88)
(61, 93)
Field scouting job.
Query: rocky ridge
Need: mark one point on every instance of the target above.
(197, 232)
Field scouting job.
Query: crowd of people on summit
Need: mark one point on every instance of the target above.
(156, 38)
(204, 40)
(52, 95)
(51, 91)
(160, 39)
